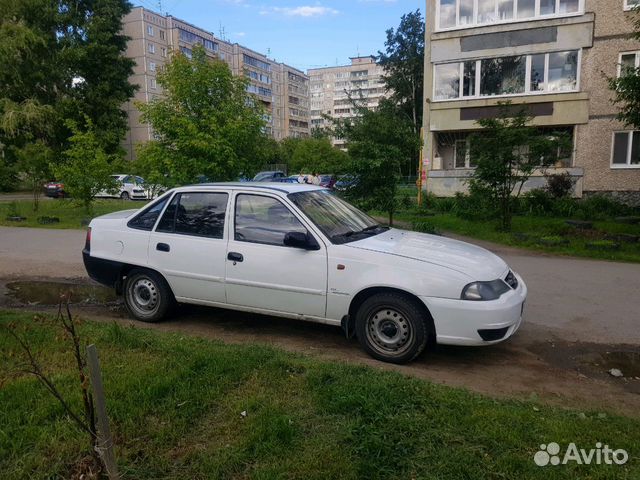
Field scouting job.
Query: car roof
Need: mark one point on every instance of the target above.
(278, 186)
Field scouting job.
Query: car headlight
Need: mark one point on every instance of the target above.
(484, 290)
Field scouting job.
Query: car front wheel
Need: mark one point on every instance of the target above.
(124, 196)
(147, 296)
(392, 327)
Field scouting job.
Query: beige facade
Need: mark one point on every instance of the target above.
(331, 87)
(282, 90)
(553, 56)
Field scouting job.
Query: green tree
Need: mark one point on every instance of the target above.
(403, 63)
(101, 70)
(205, 124)
(379, 142)
(507, 152)
(313, 154)
(627, 87)
(34, 163)
(87, 168)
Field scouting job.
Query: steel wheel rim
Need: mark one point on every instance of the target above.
(389, 331)
(144, 296)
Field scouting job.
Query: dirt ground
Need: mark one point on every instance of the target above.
(582, 319)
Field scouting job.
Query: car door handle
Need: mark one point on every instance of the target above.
(163, 247)
(235, 257)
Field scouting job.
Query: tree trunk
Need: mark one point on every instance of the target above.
(390, 218)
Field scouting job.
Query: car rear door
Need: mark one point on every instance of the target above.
(188, 245)
(263, 273)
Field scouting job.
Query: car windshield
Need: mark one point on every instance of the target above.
(338, 220)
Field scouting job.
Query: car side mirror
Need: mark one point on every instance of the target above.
(301, 240)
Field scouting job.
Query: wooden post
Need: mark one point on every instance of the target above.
(105, 442)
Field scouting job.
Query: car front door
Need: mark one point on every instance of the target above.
(188, 246)
(264, 273)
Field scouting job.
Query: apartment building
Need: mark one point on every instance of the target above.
(553, 56)
(331, 87)
(283, 90)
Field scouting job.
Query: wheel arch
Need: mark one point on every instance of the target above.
(348, 321)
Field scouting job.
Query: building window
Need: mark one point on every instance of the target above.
(503, 76)
(152, 48)
(465, 13)
(463, 154)
(162, 35)
(626, 150)
(254, 62)
(150, 30)
(628, 61)
(631, 4)
(163, 52)
(153, 83)
(152, 66)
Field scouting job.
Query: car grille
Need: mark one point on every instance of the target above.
(511, 280)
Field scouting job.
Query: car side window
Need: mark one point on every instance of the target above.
(200, 214)
(147, 218)
(260, 219)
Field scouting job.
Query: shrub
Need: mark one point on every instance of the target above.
(560, 185)
(537, 202)
(425, 227)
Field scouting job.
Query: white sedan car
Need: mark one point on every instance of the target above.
(298, 251)
(127, 187)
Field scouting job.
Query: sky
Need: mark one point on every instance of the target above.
(304, 34)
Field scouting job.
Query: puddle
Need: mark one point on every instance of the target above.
(627, 362)
(48, 293)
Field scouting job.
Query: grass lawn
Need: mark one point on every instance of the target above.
(175, 405)
(536, 233)
(67, 211)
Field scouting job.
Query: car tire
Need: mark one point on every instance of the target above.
(124, 196)
(393, 327)
(147, 295)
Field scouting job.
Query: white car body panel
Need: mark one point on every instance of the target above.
(318, 285)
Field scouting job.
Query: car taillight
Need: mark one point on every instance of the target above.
(87, 242)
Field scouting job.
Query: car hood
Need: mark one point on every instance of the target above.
(471, 260)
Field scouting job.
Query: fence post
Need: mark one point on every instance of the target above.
(105, 442)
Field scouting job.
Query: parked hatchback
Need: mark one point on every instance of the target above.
(300, 252)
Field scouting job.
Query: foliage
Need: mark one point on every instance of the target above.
(560, 185)
(296, 410)
(627, 87)
(205, 124)
(87, 168)
(101, 70)
(403, 63)
(313, 154)
(60, 61)
(379, 142)
(34, 162)
(506, 153)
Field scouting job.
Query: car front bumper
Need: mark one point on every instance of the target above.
(465, 322)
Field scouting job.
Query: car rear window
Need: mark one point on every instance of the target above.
(146, 219)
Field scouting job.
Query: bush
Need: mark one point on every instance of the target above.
(537, 202)
(425, 227)
(560, 185)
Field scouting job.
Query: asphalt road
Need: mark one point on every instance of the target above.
(575, 299)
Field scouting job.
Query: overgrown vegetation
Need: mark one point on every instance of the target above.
(184, 408)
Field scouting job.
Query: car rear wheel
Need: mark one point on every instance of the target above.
(124, 196)
(392, 327)
(147, 295)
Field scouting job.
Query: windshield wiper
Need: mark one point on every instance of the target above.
(350, 233)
